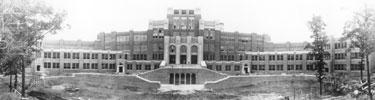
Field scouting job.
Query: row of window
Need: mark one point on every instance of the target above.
(340, 45)
(340, 55)
(280, 67)
(227, 67)
(56, 65)
(56, 55)
(139, 67)
(276, 57)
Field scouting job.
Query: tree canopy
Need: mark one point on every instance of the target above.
(24, 23)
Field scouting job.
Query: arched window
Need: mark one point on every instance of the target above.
(171, 78)
(172, 48)
(183, 49)
(193, 79)
(188, 78)
(177, 79)
(194, 49)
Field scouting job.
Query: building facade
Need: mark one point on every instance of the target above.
(184, 39)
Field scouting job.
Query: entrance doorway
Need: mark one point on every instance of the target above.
(172, 59)
(38, 68)
(183, 59)
(120, 69)
(181, 78)
(194, 59)
(171, 78)
(246, 70)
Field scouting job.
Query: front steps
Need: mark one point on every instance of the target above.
(202, 75)
(172, 87)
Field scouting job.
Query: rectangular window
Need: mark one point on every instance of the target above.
(227, 68)
(298, 57)
(310, 67)
(66, 65)
(236, 67)
(355, 67)
(271, 57)
(290, 67)
(218, 67)
(355, 55)
(138, 67)
(126, 56)
(47, 65)
(47, 54)
(209, 67)
(156, 66)
(340, 66)
(94, 56)
(290, 57)
(254, 57)
(86, 65)
(86, 55)
(94, 66)
(262, 57)
(309, 57)
(280, 67)
(147, 67)
(280, 57)
(112, 56)
(66, 55)
(75, 55)
(105, 56)
(298, 67)
(104, 65)
(271, 67)
(56, 55)
(56, 65)
(254, 67)
(112, 66)
(262, 67)
(75, 65)
(129, 67)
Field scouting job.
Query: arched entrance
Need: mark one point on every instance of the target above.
(183, 53)
(188, 78)
(182, 78)
(246, 69)
(177, 79)
(194, 55)
(193, 78)
(171, 78)
(172, 54)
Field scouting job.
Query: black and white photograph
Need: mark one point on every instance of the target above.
(187, 49)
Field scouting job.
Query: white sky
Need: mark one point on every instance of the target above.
(283, 20)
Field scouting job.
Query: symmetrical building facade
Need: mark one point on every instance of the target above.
(184, 39)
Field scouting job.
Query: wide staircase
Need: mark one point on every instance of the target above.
(183, 77)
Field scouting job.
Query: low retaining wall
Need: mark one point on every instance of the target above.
(237, 81)
(103, 80)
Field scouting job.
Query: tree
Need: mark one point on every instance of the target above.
(361, 32)
(24, 23)
(317, 27)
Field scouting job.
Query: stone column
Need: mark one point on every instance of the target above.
(166, 49)
(178, 52)
(188, 50)
(200, 49)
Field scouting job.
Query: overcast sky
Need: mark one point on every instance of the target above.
(283, 20)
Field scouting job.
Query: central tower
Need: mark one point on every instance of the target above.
(183, 43)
